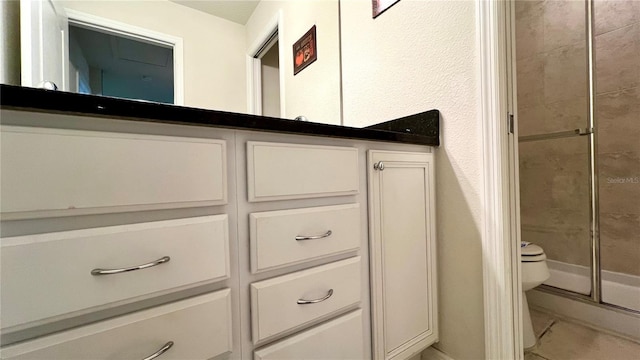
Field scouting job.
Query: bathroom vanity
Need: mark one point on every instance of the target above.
(140, 230)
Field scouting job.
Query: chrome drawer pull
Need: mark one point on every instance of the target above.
(162, 350)
(304, 302)
(302, 237)
(162, 260)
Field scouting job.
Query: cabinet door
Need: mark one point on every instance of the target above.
(403, 266)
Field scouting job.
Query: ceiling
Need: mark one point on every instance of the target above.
(237, 11)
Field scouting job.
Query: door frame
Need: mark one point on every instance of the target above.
(500, 233)
(26, 9)
(122, 29)
(254, 70)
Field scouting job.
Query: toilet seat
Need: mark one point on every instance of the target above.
(532, 253)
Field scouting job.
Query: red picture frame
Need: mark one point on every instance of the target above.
(305, 51)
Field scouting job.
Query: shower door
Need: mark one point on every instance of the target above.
(553, 112)
(578, 111)
(555, 206)
(616, 39)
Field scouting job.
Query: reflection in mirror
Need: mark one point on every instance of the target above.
(103, 63)
(226, 55)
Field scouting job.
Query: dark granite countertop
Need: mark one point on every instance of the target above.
(422, 128)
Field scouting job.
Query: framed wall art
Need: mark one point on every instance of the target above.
(305, 51)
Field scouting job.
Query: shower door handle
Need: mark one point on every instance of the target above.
(557, 135)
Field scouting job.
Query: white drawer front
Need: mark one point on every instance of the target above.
(200, 328)
(47, 275)
(274, 302)
(289, 171)
(338, 339)
(62, 170)
(280, 238)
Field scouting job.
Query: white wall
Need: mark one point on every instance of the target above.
(214, 48)
(315, 91)
(10, 42)
(417, 56)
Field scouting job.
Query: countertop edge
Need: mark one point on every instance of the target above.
(419, 129)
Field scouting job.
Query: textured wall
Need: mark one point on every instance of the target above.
(214, 48)
(422, 55)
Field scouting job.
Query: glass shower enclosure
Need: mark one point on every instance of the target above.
(578, 108)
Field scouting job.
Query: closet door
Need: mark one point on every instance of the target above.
(403, 266)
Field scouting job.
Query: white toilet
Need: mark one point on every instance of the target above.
(534, 273)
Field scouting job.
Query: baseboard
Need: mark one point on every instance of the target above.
(432, 353)
(617, 288)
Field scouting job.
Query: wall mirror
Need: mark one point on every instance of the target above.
(223, 55)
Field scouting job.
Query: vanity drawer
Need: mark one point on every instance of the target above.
(291, 171)
(341, 338)
(200, 328)
(73, 172)
(276, 303)
(47, 275)
(280, 238)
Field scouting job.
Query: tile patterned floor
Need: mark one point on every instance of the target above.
(563, 340)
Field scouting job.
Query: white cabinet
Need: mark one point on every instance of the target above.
(57, 271)
(307, 242)
(271, 228)
(296, 299)
(278, 171)
(108, 236)
(196, 328)
(287, 237)
(403, 253)
(339, 339)
(62, 172)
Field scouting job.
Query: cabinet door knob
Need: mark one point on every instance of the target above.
(162, 260)
(315, 301)
(162, 350)
(378, 166)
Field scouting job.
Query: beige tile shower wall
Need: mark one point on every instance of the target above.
(617, 105)
(551, 66)
(552, 96)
